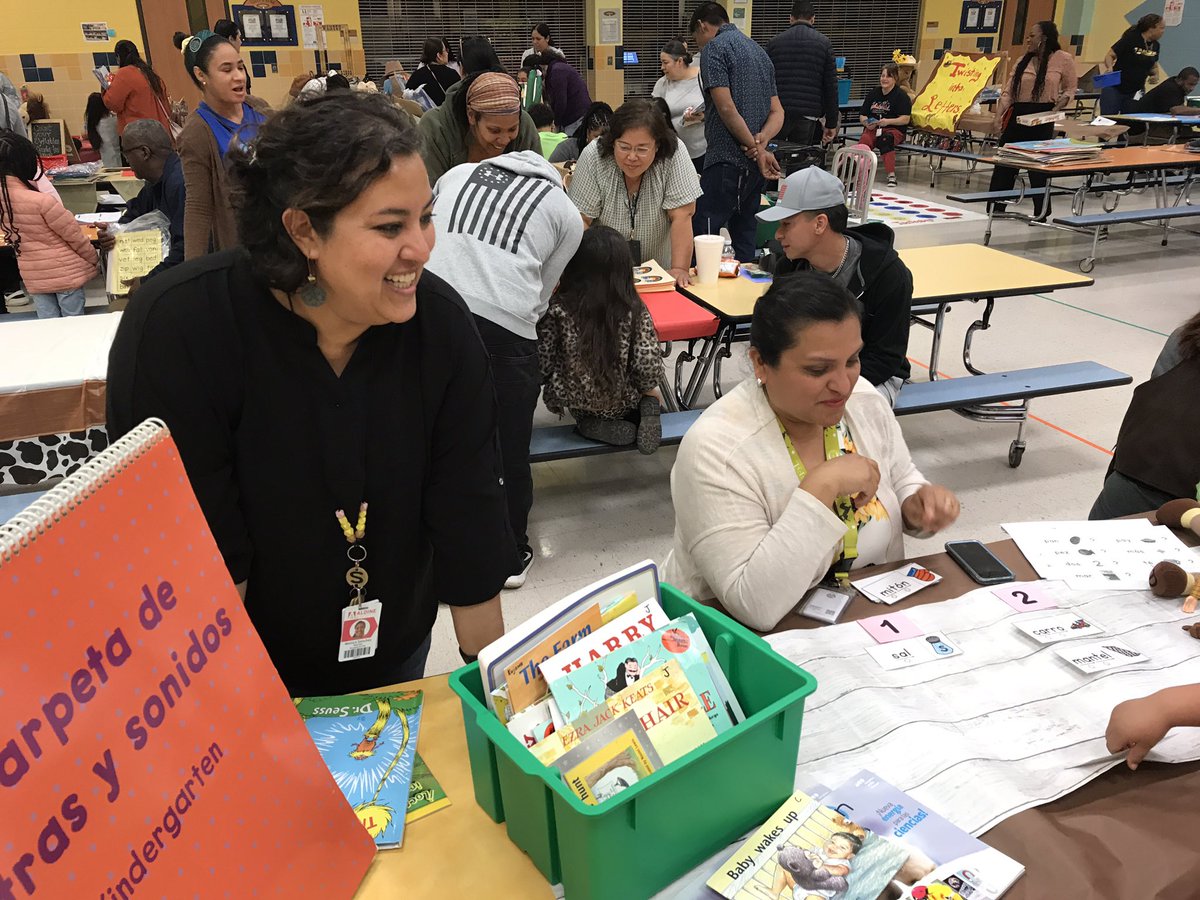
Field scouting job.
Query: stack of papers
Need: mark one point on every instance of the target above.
(1106, 555)
(1051, 152)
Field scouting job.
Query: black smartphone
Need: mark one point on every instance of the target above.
(979, 562)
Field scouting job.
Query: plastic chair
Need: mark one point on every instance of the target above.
(854, 167)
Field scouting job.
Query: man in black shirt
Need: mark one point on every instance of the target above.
(806, 78)
(1170, 97)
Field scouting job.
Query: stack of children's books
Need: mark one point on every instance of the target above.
(369, 742)
(862, 840)
(1055, 151)
(606, 688)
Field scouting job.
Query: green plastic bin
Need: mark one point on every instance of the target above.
(635, 844)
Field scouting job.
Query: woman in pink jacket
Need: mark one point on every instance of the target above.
(54, 257)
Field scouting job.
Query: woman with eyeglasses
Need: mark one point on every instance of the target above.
(638, 179)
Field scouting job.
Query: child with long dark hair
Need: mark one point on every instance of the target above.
(598, 349)
(101, 127)
(1044, 79)
(54, 258)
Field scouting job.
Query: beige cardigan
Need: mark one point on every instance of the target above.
(208, 215)
(744, 531)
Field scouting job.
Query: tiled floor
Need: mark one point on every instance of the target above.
(594, 516)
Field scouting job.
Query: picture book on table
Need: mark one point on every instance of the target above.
(640, 621)
(680, 639)
(944, 861)
(369, 743)
(523, 675)
(616, 595)
(616, 756)
(666, 704)
(807, 851)
(425, 793)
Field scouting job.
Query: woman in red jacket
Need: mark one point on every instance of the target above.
(136, 91)
(54, 257)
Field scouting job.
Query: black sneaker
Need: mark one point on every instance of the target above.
(518, 580)
(649, 428)
(617, 432)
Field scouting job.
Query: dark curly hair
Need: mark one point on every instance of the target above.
(293, 165)
(639, 114)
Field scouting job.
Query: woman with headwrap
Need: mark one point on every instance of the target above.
(481, 118)
(226, 117)
(136, 91)
(10, 107)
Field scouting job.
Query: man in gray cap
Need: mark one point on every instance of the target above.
(812, 234)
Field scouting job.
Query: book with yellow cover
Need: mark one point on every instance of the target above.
(615, 757)
(666, 705)
(651, 277)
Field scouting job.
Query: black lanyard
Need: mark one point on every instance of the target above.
(632, 203)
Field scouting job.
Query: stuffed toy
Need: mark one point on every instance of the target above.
(1169, 580)
(1180, 514)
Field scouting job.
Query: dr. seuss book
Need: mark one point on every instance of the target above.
(616, 756)
(944, 861)
(807, 850)
(680, 640)
(425, 793)
(616, 595)
(665, 703)
(369, 742)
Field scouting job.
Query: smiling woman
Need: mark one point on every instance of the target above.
(319, 368)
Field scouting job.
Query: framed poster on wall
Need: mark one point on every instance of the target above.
(979, 17)
(273, 27)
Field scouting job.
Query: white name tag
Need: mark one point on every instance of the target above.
(824, 604)
(360, 631)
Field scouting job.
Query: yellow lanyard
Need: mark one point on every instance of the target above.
(842, 505)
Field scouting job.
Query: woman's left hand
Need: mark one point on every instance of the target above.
(681, 275)
(930, 509)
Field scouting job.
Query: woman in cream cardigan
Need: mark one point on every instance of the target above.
(799, 475)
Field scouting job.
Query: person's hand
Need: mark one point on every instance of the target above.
(850, 475)
(930, 509)
(1136, 726)
(104, 239)
(769, 166)
(681, 275)
(828, 134)
(870, 126)
(691, 117)
(132, 284)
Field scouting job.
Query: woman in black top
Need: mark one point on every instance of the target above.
(317, 368)
(1134, 55)
(433, 74)
(885, 114)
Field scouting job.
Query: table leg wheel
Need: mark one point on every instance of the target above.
(1087, 264)
(1015, 451)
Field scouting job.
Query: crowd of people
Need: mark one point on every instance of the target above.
(310, 295)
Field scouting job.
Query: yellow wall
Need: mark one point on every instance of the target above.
(53, 35)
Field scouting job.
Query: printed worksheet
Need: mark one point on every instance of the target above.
(1005, 725)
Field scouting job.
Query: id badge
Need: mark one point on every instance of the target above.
(635, 251)
(360, 631)
(826, 603)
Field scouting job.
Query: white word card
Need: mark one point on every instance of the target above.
(913, 651)
(1098, 656)
(1061, 626)
(896, 585)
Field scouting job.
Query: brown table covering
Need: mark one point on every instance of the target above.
(1124, 836)
(56, 410)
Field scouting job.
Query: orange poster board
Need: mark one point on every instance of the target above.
(147, 744)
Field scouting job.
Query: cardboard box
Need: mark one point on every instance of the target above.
(1081, 131)
(1041, 118)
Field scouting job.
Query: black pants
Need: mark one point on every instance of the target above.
(799, 130)
(518, 383)
(1004, 177)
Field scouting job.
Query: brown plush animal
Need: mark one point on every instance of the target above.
(1193, 629)
(1169, 580)
(1180, 514)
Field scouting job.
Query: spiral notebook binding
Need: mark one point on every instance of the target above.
(24, 528)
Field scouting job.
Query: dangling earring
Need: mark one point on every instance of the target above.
(311, 293)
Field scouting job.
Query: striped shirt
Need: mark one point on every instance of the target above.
(598, 189)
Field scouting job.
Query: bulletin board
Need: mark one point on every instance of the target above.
(952, 89)
(274, 26)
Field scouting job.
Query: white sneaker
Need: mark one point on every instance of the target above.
(518, 580)
(891, 181)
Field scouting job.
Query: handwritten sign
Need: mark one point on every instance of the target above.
(1026, 597)
(951, 90)
(890, 627)
(135, 254)
(49, 137)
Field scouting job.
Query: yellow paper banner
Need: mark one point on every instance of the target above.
(951, 91)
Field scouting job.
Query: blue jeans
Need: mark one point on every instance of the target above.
(732, 195)
(64, 303)
(1114, 103)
